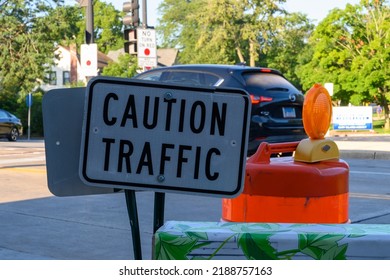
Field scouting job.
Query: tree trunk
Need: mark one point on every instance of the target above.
(385, 107)
(240, 56)
(251, 54)
(387, 119)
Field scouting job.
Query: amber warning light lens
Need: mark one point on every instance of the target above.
(317, 112)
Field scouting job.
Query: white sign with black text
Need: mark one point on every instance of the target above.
(147, 47)
(144, 135)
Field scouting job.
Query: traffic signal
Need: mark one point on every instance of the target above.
(132, 16)
(130, 36)
(130, 22)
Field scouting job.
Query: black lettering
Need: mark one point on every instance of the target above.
(202, 107)
(130, 106)
(146, 159)
(108, 142)
(164, 156)
(155, 112)
(169, 113)
(182, 115)
(126, 149)
(197, 163)
(181, 159)
(211, 177)
(106, 119)
(218, 118)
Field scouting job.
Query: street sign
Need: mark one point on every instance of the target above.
(144, 135)
(89, 59)
(63, 140)
(29, 100)
(146, 48)
(352, 118)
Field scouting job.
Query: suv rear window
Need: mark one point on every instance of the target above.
(268, 82)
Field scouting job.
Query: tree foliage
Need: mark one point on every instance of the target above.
(126, 67)
(26, 46)
(350, 48)
(108, 34)
(220, 31)
(30, 32)
(288, 45)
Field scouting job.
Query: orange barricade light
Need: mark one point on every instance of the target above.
(317, 114)
(312, 187)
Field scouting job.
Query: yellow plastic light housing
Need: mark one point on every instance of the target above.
(316, 114)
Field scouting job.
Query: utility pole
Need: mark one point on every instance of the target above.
(144, 14)
(88, 51)
(89, 30)
(88, 4)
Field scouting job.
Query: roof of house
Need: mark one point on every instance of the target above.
(165, 57)
(103, 59)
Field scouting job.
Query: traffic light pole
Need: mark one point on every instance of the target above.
(89, 26)
(88, 4)
(144, 14)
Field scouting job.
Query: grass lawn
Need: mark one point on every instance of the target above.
(379, 127)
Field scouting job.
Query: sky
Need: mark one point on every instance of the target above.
(314, 9)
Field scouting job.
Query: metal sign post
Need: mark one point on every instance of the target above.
(29, 104)
(138, 135)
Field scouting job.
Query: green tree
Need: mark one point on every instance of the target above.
(288, 45)
(126, 67)
(26, 47)
(220, 31)
(108, 34)
(350, 48)
(71, 25)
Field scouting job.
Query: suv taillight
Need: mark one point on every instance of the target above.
(258, 99)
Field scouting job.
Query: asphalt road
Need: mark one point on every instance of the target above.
(37, 225)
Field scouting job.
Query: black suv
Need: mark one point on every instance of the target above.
(276, 104)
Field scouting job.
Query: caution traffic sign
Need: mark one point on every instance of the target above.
(139, 135)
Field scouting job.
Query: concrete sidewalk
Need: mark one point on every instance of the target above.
(97, 226)
(363, 146)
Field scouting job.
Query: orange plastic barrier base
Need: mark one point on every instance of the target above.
(281, 190)
(270, 209)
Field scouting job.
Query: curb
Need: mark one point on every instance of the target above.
(356, 154)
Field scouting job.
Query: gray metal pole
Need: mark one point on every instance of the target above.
(29, 116)
(144, 14)
(89, 20)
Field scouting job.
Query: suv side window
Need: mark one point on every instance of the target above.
(152, 76)
(190, 78)
(183, 77)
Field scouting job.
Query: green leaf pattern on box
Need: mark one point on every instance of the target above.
(261, 241)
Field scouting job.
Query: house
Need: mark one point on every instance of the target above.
(67, 69)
